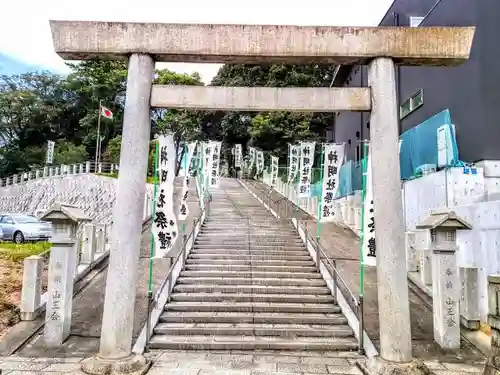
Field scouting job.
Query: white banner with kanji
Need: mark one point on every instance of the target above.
(206, 155)
(165, 231)
(274, 170)
(306, 164)
(183, 207)
(333, 155)
(252, 158)
(369, 246)
(293, 162)
(214, 164)
(238, 155)
(260, 162)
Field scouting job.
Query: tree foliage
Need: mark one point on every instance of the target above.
(41, 106)
(272, 131)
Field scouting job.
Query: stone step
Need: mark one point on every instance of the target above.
(267, 232)
(247, 246)
(302, 308)
(250, 288)
(249, 252)
(173, 342)
(251, 297)
(249, 268)
(269, 281)
(215, 229)
(249, 218)
(243, 256)
(265, 240)
(224, 242)
(248, 329)
(218, 262)
(252, 237)
(216, 275)
(251, 317)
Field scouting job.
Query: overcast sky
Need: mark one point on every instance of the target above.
(25, 32)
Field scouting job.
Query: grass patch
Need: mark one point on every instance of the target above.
(17, 252)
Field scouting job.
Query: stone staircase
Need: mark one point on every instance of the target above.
(250, 284)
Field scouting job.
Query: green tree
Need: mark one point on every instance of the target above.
(271, 131)
(89, 83)
(68, 153)
(185, 125)
(114, 148)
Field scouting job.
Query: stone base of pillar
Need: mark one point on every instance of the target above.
(132, 365)
(379, 366)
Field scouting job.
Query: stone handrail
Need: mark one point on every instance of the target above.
(60, 170)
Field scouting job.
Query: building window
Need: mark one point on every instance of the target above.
(416, 21)
(415, 101)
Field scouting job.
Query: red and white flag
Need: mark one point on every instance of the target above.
(105, 112)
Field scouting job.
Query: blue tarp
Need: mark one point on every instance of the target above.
(418, 148)
(419, 145)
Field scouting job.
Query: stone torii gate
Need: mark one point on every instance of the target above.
(142, 44)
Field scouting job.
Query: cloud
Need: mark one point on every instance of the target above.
(26, 35)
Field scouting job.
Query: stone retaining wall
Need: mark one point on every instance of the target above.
(94, 194)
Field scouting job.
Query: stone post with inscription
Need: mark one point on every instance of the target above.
(411, 252)
(446, 289)
(100, 234)
(32, 287)
(423, 249)
(60, 291)
(470, 315)
(89, 243)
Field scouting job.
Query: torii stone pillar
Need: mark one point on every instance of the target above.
(115, 352)
(394, 309)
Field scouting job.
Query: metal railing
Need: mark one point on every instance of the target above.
(162, 295)
(282, 209)
(59, 171)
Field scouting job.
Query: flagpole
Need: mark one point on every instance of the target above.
(98, 140)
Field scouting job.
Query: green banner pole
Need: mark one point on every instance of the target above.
(362, 237)
(199, 155)
(320, 200)
(297, 178)
(186, 171)
(153, 210)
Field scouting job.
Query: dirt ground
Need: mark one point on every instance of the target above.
(11, 280)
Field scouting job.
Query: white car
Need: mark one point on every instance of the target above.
(19, 228)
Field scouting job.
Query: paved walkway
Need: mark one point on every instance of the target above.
(343, 243)
(227, 363)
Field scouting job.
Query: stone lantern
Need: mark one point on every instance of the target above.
(443, 225)
(65, 219)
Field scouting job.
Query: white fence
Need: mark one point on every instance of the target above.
(60, 170)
